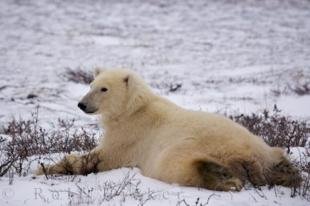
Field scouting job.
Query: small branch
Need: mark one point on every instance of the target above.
(44, 170)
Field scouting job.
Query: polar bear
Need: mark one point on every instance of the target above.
(172, 144)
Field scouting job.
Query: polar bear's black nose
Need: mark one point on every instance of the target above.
(82, 106)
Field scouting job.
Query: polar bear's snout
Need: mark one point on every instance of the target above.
(82, 106)
(87, 103)
(86, 108)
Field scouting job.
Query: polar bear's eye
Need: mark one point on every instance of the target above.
(103, 89)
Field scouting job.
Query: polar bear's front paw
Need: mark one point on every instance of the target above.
(39, 170)
(50, 169)
(71, 165)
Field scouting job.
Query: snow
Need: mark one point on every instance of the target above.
(89, 190)
(230, 56)
(299, 106)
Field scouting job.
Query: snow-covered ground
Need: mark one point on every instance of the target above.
(92, 190)
(229, 56)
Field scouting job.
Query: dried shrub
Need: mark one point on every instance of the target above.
(304, 165)
(275, 129)
(128, 188)
(22, 139)
(78, 76)
(175, 87)
(297, 84)
(166, 82)
(197, 202)
(301, 89)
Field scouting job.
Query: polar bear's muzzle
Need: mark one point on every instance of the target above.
(85, 108)
(87, 103)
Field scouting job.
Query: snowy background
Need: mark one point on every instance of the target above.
(228, 56)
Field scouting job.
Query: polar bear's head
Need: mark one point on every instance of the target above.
(114, 93)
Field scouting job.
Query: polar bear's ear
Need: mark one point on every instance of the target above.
(126, 80)
(138, 92)
(97, 71)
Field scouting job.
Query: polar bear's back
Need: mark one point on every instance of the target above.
(207, 128)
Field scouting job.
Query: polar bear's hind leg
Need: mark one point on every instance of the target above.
(217, 177)
(284, 173)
